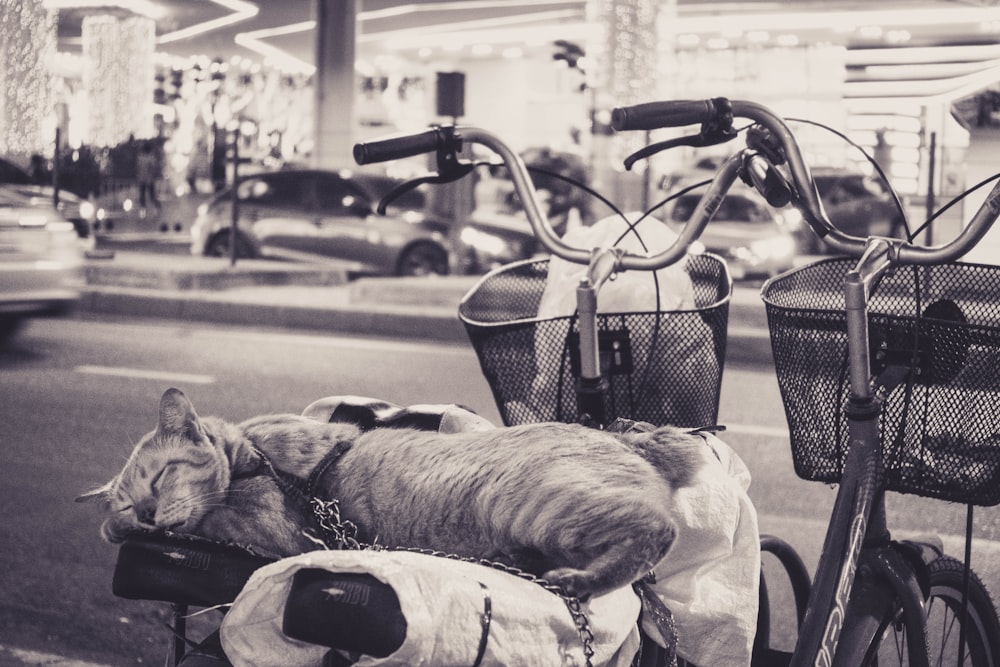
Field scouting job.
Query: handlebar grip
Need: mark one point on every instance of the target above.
(654, 115)
(395, 148)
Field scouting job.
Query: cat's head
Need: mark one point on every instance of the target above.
(172, 478)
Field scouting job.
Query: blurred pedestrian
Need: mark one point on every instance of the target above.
(198, 166)
(147, 172)
(40, 173)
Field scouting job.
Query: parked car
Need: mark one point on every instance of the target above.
(310, 214)
(857, 204)
(754, 238)
(41, 262)
(77, 210)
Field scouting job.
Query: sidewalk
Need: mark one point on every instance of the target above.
(268, 293)
(320, 298)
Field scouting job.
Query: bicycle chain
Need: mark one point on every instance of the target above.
(343, 537)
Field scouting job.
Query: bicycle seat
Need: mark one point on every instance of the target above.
(182, 570)
(348, 611)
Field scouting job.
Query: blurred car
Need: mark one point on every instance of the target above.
(857, 204)
(755, 239)
(77, 210)
(311, 214)
(491, 238)
(41, 262)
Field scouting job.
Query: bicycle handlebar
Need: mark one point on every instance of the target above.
(801, 192)
(656, 115)
(678, 113)
(447, 140)
(403, 146)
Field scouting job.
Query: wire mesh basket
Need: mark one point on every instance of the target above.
(662, 367)
(934, 342)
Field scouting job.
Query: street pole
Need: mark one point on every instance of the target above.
(236, 198)
(55, 171)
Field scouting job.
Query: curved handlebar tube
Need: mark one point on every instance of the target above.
(440, 138)
(654, 115)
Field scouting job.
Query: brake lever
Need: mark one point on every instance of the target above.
(716, 131)
(460, 170)
(450, 169)
(707, 137)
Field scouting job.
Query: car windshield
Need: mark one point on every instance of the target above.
(377, 186)
(838, 188)
(11, 173)
(734, 208)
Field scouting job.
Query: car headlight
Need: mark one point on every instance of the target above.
(779, 247)
(33, 220)
(87, 210)
(697, 248)
(484, 242)
(792, 218)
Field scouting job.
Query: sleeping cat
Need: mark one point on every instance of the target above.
(588, 510)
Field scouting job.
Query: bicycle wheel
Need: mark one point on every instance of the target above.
(944, 621)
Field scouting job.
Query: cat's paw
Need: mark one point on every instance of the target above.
(115, 532)
(573, 582)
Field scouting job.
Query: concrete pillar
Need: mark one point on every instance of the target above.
(336, 24)
(118, 49)
(624, 53)
(27, 42)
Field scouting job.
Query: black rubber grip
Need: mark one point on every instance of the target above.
(394, 148)
(654, 115)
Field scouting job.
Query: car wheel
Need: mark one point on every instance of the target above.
(8, 327)
(219, 246)
(423, 259)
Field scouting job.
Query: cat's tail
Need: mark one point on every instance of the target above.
(676, 454)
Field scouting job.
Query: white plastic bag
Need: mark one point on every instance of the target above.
(630, 292)
(711, 576)
(442, 601)
(685, 351)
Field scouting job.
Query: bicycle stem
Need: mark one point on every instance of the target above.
(873, 264)
(591, 385)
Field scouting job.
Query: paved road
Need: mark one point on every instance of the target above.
(78, 393)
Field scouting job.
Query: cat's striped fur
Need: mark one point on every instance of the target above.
(587, 509)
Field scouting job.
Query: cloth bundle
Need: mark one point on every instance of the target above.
(709, 580)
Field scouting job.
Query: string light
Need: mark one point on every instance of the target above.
(118, 76)
(27, 42)
(627, 50)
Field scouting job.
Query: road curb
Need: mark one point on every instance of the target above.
(748, 341)
(431, 324)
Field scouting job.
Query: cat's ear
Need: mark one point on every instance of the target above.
(177, 416)
(101, 494)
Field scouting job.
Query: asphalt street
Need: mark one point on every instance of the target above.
(79, 392)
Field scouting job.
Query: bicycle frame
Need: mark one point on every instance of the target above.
(850, 595)
(862, 575)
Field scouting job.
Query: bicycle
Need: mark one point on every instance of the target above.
(868, 588)
(598, 368)
(870, 593)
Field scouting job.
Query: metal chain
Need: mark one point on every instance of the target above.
(343, 534)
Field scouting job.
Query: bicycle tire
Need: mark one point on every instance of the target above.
(943, 607)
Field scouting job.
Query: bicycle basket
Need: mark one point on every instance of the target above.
(939, 431)
(662, 367)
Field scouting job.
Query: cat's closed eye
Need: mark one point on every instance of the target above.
(159, 477)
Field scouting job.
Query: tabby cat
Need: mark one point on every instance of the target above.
(586, 509)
